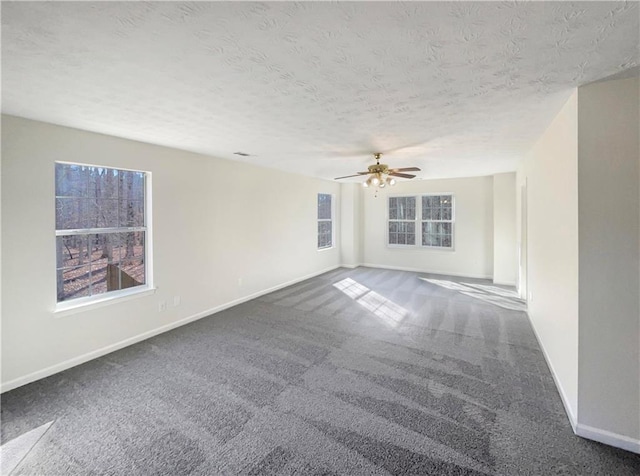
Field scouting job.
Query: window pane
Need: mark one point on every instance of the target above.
(118, 244)
(437, 234)
(75, 283)
(324, 206)
(71, 251)
(70, 213)
(131, 185)
(410, 233)
(102, 213)
(131, 245)
(132, 273)
(111, 246)
(108, 184)
(402, 208)
(71, 180)
(324, 234)
(393, 208)
(402, 233)
(99, 277)
(131, 213)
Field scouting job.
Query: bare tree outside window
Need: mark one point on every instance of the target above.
(325, 221)
(433, 213)
(437, 221)
(100, 230)
(402, 224)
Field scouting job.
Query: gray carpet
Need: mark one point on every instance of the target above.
(354, 372)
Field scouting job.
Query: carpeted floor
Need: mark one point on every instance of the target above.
(361, 371)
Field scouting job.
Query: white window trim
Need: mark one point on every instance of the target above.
(452, 221)
(418, 223)
(332, 220)
(73, 306)
(67, 308)
(389, 220)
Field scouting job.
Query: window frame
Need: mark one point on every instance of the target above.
(390, 220)
(331, 220)
(452, 221)
(98, 300)
(419, 221)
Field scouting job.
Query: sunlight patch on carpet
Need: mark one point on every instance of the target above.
(14, 451)
(388, 311)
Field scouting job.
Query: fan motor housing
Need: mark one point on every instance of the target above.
(379, 169)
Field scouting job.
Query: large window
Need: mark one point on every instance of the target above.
(325, 221)
(402, 220)
(435, 217)
(101, 230)
(437, 221)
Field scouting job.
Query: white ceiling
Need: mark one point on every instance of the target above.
(315, 88)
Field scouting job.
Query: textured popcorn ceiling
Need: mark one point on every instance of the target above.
(315, 87)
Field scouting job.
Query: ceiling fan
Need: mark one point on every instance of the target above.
(380, 175)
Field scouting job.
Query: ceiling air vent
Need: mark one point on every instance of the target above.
(242, 154)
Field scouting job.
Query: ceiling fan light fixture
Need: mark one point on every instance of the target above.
(380, 175)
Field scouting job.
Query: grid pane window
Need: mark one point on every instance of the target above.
(100, 230)
(437, 221)
(325, 221)
(402, 220)
(434, 215)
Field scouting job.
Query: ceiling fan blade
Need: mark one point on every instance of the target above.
(348, 176)
(398, 174)
(405, 169)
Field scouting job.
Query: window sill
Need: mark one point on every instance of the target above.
(327, 248)
(68, 308)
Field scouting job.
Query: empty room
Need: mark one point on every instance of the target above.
(320, 238)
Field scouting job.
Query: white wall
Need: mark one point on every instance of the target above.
(214, 222)
(351, 224)
(473, 254)
(609, 209)
(551, 173)
(505, 258)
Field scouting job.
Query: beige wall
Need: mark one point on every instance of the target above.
(351, 224)
(505, 253)
(609, 208)
(583, 252)
(215, 222)
(473, 253)
(550, 172)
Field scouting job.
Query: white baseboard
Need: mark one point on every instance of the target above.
(608, 438)
(573, 418)
(430, 271)
(81, 359)
(504, 283)
(350, 266)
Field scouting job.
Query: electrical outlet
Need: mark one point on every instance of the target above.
(530, 296)
(162, 306)
(176, 301)
(239, 281)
